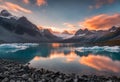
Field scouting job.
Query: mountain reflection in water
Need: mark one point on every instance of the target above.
(67, 58)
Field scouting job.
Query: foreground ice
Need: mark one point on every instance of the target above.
(99, 48)
(15, 47)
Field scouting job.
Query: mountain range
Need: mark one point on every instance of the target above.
(20, 30)
(14, 29)
(95, 36)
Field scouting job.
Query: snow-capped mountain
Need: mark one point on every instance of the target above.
(13, 29)
(95, 36)
(6, 14)
(113, 29)
(63, 35)
(20, 29)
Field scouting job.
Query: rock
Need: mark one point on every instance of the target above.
(68, 80)
(5, 80)
(2, 76)
(85, 76)
(59, 80)
(18, 81)
(43, 80)
(12, 76)
(23, 81)
(30, 80)
(21, 70)
(6, 72)
(12, 80)
(39, 81)
(109, 81)
(75, 80)
(25, 76)
(57, 73)
(22, 73)
(26, 67)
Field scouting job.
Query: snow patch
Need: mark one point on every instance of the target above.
(98, 48)
(9, 17)
(63, 36)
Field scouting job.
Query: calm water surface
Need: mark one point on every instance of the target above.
(67, 58)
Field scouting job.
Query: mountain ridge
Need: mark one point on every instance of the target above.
(95, 36)
(21, 30)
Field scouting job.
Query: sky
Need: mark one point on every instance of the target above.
(70, 15)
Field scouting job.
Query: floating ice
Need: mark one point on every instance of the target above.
(99, 48)
(15, 47)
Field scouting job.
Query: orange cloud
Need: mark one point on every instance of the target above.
(101, 22)
(26, 1)
(14, 7)
(100, 3)
(58, 29)
(38, 2)
(4, 7)
(69, 25)
(41, 2)
(70, 57)
(100, 63)
(56, 45)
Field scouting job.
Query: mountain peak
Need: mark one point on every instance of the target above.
(23, 18)
(5, 13)
(113, 29)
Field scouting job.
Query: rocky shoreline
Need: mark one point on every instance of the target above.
(16, 72)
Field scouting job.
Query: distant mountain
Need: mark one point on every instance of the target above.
(14, 29)
(5, 13)
(64, 35)
(83, 32)
(113, 29)
(20, 30)
(49, 34)
(66, 32)
(95, 36)
(114, 33)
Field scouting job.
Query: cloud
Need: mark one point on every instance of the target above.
(37, 2)
(41, 2)
(101, 63)
(26, 1)
(101, 22)
(14, 7)
(69, 25)
(100, 3)
(51, 28)
(68, 58)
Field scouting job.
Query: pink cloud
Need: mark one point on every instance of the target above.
(26, 1)
(14, 7)
(101, 22)
(100, 3)
(38, 2)
(69, 25)
(41, 2)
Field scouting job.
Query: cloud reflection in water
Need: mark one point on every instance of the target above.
(92, 61)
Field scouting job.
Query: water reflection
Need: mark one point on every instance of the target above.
(101, 63)
(66, 58)
(95, 63)
(72, 56)
(55, 45)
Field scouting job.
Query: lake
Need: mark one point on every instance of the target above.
(66, 58)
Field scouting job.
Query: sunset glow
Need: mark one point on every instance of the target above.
(95, 15)
(101, 63)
